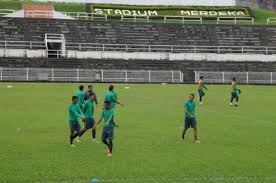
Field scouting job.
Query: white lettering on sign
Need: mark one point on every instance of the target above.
(156, 13)
(125, 12)
(212, 13)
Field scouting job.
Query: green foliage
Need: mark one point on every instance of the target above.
(164, 10)
(237, 144)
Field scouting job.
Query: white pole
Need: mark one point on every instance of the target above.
(223, 77)
(149, 76)
(195, 76)
(102, 75)
(27, 73)
(247, 79)
(180, 75)
(53, 74)
(1, 74)
(126, 76)
(172, 76)
(271, 76)
(78, 75)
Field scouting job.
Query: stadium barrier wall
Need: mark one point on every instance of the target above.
(88, 75)
(26, 53)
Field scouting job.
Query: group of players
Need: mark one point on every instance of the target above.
(83, 106)
(189, 105)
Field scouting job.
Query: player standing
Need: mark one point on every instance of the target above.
(88, 110)
(74, 114)
(190, 117)
(201, 86)
(107, 116)
(90, 92)
(80, 95)
(112, 97)
(235, 91)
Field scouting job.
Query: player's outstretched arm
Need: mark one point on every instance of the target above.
(100, 120)
(120, 103)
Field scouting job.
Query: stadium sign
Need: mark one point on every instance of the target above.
(158, 11)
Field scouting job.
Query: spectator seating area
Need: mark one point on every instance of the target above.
(137, 33)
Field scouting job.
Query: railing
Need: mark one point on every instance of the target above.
(270, 20)
(86, 16)
(144, 48)
(236, 20)
(50, 36)
(135, 18)
(88, 75)
(38, 14)
(242, 77)
(171, 48)
(6, 11)
(182, 19)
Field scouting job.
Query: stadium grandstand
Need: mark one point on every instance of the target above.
(38, 36)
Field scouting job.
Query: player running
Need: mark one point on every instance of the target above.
(107, 116)
(112, 97)
(74, 114)
(201, 86)
(190, 117)
(88, 110)
(235, 91)
(90, 92)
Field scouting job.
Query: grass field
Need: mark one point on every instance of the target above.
(237, 144)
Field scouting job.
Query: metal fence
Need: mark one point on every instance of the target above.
(144, 48)
(242, 77)
(88, 75)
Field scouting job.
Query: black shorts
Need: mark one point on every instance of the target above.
(74, 126)
(89, 123)
(107, 133)
(190, 122)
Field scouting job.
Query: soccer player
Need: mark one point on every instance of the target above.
(107, 116)
(80, 95)
(190, 117)
(90, 92)
(112, 97)
(200, 90)
(88, 110)
(74, 114)
(235, 91)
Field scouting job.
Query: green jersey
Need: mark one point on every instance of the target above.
(75, 112)
(106, 114)
(88, 109)
(234, 87)
(80, 95)
(112, 98)
(190, 106)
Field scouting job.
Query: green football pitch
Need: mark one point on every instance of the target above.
(237, 144)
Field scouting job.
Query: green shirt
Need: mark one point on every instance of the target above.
(234, 87)
(75, 112)
(88, 109)
(112, 98)
(106, 113)
(80, 95)
(190, 106)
